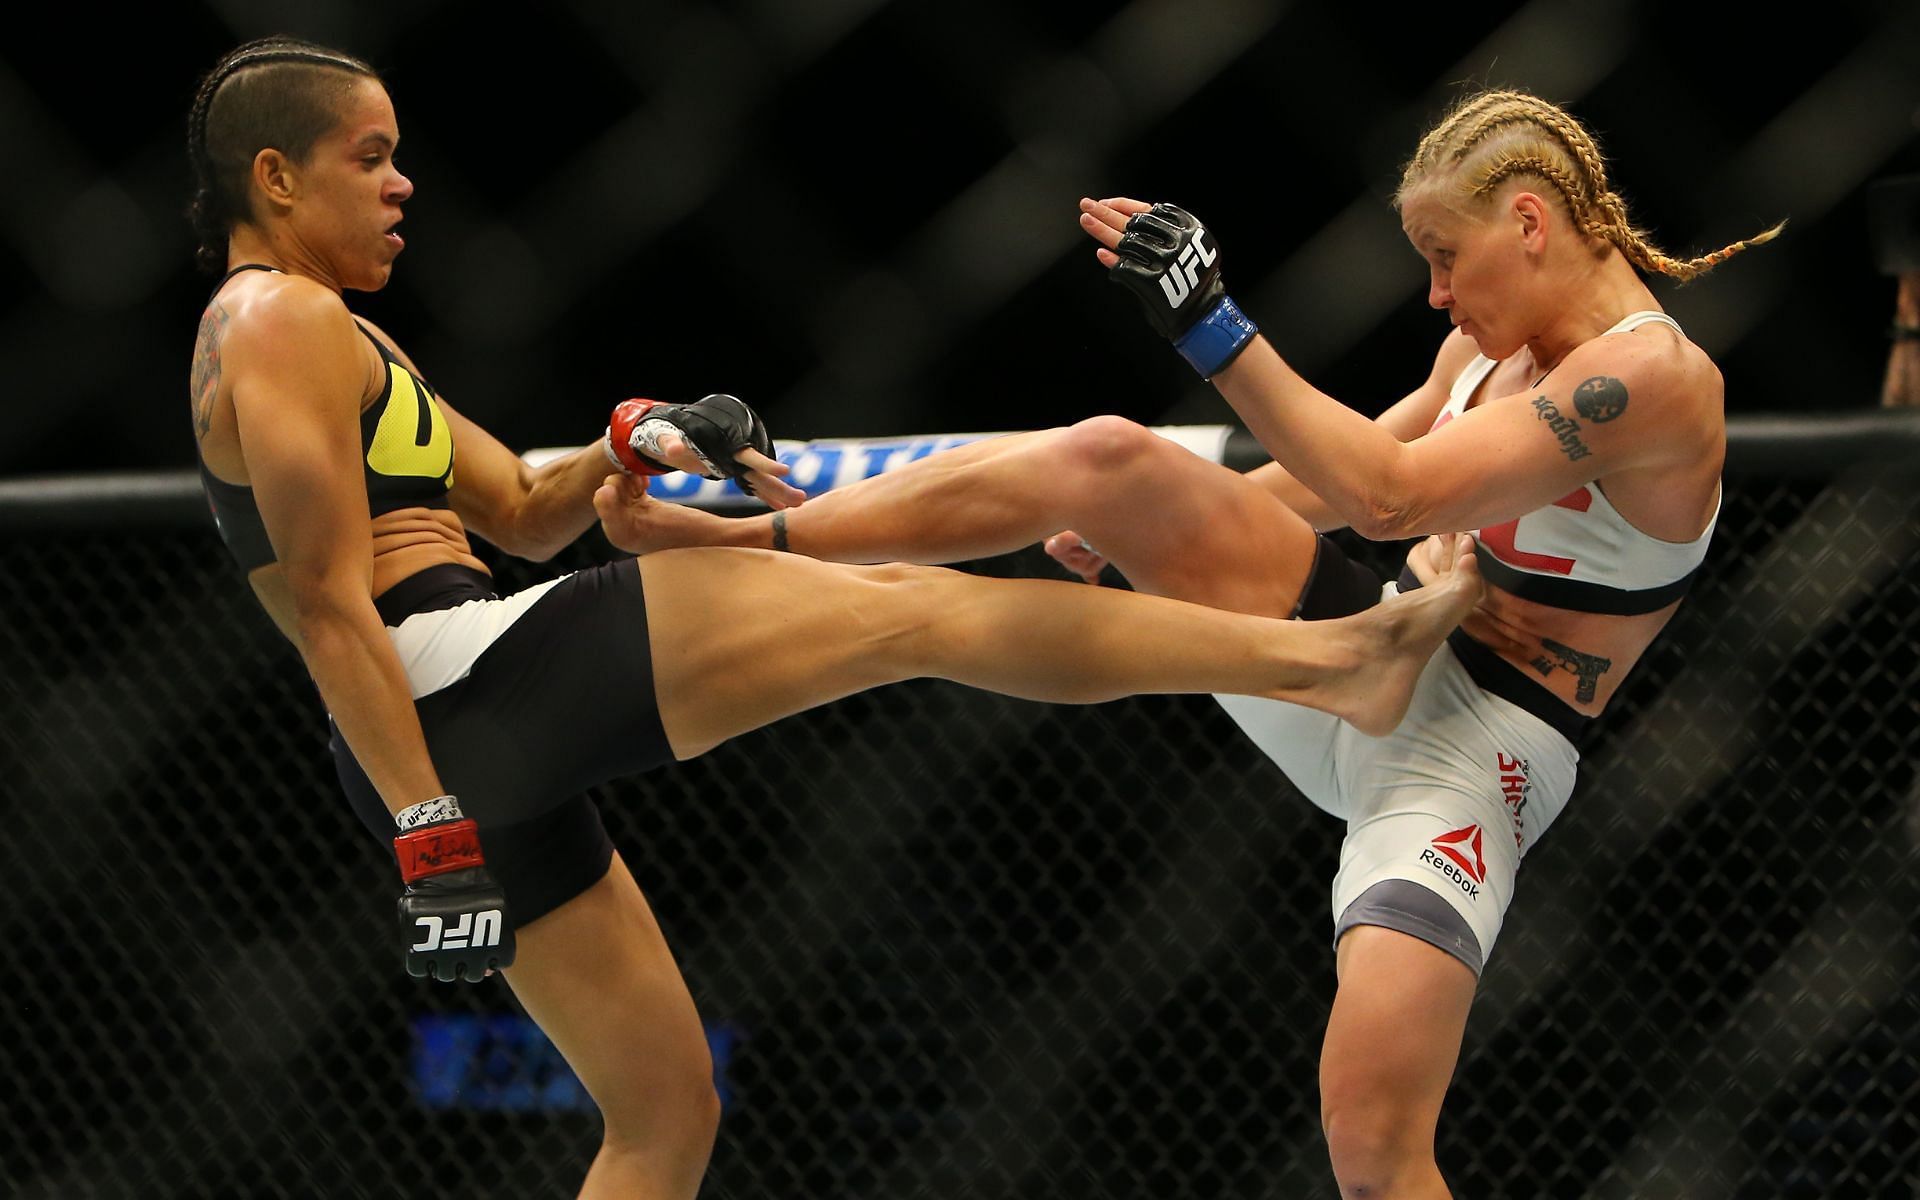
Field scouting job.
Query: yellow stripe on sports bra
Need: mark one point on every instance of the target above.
(396, 449)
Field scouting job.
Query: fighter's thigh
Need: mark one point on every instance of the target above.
(1179, 525)
(742, 638)
(597, 975)
(1393, 1038)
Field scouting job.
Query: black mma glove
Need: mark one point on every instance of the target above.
(715, 428)
(453, 916)
(1170, 262)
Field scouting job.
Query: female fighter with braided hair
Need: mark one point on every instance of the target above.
(346, 487)
(1567, 422)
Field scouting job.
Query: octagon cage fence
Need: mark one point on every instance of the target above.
(948, 944)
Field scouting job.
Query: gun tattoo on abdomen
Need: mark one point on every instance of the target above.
(1587, 668)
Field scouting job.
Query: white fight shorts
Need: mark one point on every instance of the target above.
(1439, 812)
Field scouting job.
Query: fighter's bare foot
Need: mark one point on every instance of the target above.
(1393, 640)
(638, 524)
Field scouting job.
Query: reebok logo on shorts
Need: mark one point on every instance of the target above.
(1459, 858)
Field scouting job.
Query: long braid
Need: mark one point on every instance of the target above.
(1601, 213)
(283, 116)
(1495, 171)
(1497, 135)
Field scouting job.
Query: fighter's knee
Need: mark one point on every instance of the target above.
(902, 607)
(678, 1114)
(899, 576)
(700, 1119)
(1107, 445)
(1373, 1147)
(909, 594)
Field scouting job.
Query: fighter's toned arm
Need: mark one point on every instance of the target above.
(299, 376)
(529, 512)
(298, 373)
(1409, 418)
(1614, 405)
(1620, 403)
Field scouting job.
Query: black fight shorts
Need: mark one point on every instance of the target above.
(526, 702)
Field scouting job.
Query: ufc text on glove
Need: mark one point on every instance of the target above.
(453, 915)
(1171, 263)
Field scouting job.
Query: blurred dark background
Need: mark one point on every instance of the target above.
(949, 945)
(860, 214)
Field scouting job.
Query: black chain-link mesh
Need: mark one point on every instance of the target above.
(948, 944)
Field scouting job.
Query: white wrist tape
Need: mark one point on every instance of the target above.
(648, 433)
(428, 812)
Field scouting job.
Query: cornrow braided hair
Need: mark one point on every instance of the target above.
(1493, 136)
(277, 92)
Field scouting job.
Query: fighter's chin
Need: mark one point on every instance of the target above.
(1491, 346)
(372, 279)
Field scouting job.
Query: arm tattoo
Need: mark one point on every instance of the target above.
(206, 367)
(1600, 399)
(1588, 667)
(1565, 428)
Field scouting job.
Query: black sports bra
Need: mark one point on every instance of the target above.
(407, 446)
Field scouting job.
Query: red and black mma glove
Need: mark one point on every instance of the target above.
(1171, 263)
(714, 427)
(453, 916)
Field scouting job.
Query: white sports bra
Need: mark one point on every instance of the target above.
(1579, 553)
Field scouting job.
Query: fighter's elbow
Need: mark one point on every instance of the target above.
(535, 550)
(324, 602)
(1387, 516)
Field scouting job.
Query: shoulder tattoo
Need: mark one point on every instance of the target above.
(1564, 428)
(1600, 399)
(205, 383)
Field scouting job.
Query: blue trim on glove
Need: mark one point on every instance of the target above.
(1217, 338)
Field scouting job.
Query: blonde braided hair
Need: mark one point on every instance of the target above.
(1493, 136)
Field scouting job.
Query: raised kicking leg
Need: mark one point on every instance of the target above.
(1173, 523)
(742, 638)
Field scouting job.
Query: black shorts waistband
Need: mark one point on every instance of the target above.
(1498, 677)
(442, 585)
